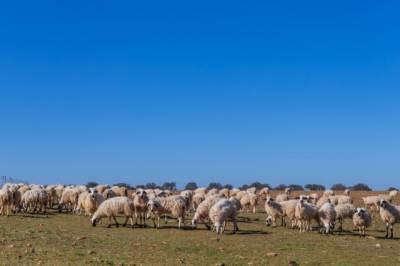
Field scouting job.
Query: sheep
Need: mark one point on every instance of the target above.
(236, 203)
(347, 192)
(284, 197)
(252, 190)
(200, 190)
(197, 199)
(371, 202)
(89, 201)
(344, 211)
(273, 210)
(202, 211)
(224, 193)
(69, 199)
(108, 193)
(340, 199)
(101, 188)
(175, 205)
(289, 210)
(233, 192)
(327, 216)
(322, 200)
(5, 201)
(120, 191)
(212, 191)
(264, 193)
(140, 206)
(393, 194)
(328, 193)
(188, 196)
(304, 213)
(240, 194)
(220, 212)
(52, 195)
(314, 197)
(390, 214)
(34, 200)
(249, 201)
(361, 219)
(111, 208)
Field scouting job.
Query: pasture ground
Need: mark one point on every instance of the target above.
(65, 239)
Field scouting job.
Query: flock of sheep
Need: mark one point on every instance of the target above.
(214, 208)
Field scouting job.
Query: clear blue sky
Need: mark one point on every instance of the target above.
(228, 91)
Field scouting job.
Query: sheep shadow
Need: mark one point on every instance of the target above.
(36, 216)
(384, 238)
(249, 232)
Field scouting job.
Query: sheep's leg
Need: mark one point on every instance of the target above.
(144, 220)
(165, 218)
(116, 222)
(179, 222)
(158, 222)
(126, 221)
(132, 224)
(391, 231)
(223, 226)
(387, 230)
(254, 209)
(109, 221)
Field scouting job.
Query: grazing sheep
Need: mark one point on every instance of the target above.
(249, 201)
(188, 196)
(327, 216)
(340, 199)
(371, 202)
(344, 211)
(362, 219)
(69, 199)
(305, 212)
(390, 214)
(322, 200)
(273, 210)
(197, 199)
(140, 206)
(289, 210)
(120, 191)
(284, 197)
(111, 208)
(34, 200)
(203, 210)
(52, 195)
(174, 205)
(89, 201)
(220, 212)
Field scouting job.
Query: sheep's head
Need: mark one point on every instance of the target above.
(153, 205)
(383, 204)
(94, 221)
(269, 200)
(141, 193)
(268, 220)
(93, 192)
(360, 211)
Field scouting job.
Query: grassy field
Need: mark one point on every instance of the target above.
(65, 239)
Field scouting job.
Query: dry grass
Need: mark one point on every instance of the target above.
(64, 239)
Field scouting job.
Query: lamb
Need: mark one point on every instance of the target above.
(249, 201)
(344, 211)
(327, 216)
(220, 212)
(89, 201)
(390, 214)
(273, 210)
(362, 219)
(140, 206)
(111, 208)
(175, 205)
(305, 212)
(203, 210)
(284, 197)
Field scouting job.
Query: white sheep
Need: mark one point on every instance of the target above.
(203, 210)
(249, 201)
(174, 205)
(140, 206)
(390, 214)
(69, 199)
(89, 201)
(284, 197)
(34, 200)
(327, 216)
(5, 201)
(362, 219)
(273, 210)
(220, 212)
(305, 212)
(344, 211)
(197, 199)
(111, 208)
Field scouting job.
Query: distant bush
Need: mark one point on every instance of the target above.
(295, 187)
(228, 186)
(314, 187)
(361, 187)
(169, 185)
(91, 184)
(151, 185)
(191, 186)
(280, 187)
(391, 188)
(257, 185)
(214, 185)
(123, 185)
(339, 187)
